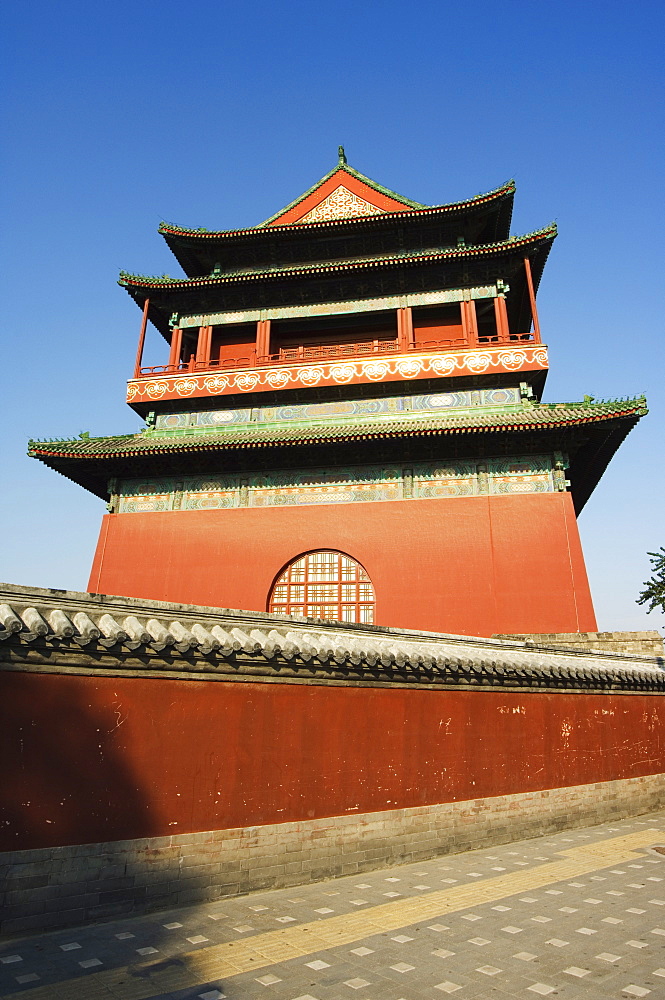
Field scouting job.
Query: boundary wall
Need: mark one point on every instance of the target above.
(647, 643)
(164, 754)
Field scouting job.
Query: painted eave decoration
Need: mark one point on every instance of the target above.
(590, 431)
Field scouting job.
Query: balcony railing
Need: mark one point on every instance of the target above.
(309, 352)
(198, 366)
(322, 352)
(512, 338)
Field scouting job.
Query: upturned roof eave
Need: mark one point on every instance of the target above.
(165, 293)
(199, 252)
(533, 239)
(541, 416)
(506, 190)
(90, 466)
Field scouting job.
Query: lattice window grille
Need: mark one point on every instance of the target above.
(325, 584)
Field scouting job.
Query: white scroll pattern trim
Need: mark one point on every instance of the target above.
(186, 386)
(409, 368)
(247, 381)
(442, 365)
(376, 370)
(278, 379)
(478, 362)
(157, 389)
(512, 359)
(215, 383)
(343, 373)
(311, 376)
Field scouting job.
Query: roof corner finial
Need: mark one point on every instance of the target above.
(341, 154)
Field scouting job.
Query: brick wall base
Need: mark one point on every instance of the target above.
(61, 886)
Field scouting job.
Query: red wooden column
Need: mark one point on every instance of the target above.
(501, 317)
(469, 321)
(473, 320)
(401, 339)
(262, 338)
(405, 334)
(532, 300)
(465, 322)
(203, 345)
(139, 350)
(176, 347)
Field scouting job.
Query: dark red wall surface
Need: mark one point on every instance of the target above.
(472, 566)
(88, 759)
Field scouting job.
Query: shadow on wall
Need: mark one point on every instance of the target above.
(66, 781)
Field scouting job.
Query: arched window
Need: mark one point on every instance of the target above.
(324, 584)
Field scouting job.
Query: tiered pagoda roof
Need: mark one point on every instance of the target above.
(367, 276)
(405, 224)
(589, 432)
(348, 241)
(347, 238)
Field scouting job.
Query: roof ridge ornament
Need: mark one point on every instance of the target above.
(342, 155)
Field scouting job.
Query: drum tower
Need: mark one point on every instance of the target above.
(348, 424)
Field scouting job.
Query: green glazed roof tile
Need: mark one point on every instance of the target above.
(417, 209)
(515, 242)
(533, 416)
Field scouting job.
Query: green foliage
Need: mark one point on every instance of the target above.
(654, 587)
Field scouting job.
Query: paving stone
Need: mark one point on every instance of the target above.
(574, 970)
(428, 947)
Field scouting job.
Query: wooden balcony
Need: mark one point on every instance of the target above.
(330, 352)
(465, 326)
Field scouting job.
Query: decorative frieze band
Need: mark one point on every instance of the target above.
(353, 484)
(338, 410)
(379, 304)
(447, 364)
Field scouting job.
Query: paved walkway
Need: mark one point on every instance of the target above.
(577, 914)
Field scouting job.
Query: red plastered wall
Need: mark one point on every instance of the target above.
(90, 759)
(473, 566)
(424, 332)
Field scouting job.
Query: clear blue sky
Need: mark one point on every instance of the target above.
(217, 114)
